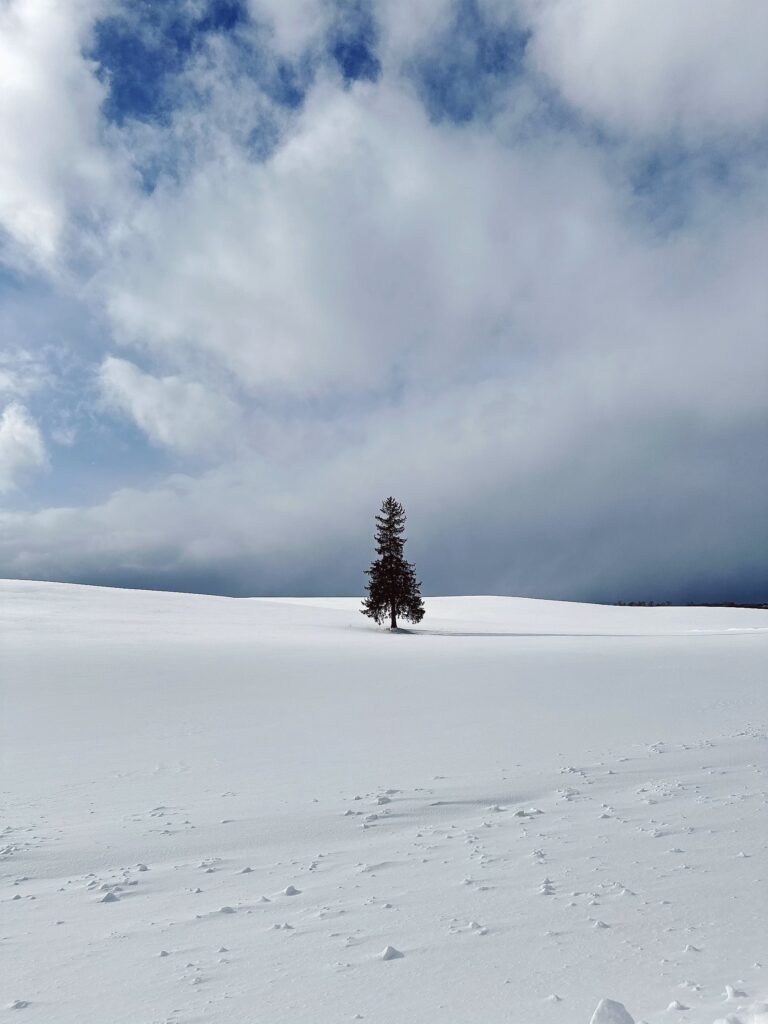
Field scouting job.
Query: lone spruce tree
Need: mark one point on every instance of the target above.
(392, 585)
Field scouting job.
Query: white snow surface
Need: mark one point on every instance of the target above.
(575, 811)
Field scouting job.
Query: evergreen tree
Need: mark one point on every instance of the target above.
(392, 585)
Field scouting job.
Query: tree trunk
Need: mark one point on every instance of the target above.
(392, 617)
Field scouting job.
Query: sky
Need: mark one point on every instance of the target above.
(265, 262)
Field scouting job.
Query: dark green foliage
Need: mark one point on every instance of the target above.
(393, 589)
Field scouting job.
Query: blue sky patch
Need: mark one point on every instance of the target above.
(467, 64)
(352, 41)
(140, 49)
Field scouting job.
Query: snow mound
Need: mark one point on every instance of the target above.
(390, 953)
(610, 1012)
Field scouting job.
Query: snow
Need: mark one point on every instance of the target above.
(611, 1012)
(524, 798)
(390, 953)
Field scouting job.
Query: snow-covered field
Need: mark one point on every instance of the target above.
(226, 810)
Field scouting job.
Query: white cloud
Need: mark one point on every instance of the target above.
(53, 163)
(22, 448)
(408, 24)
(182, 415)
(346, 259)
(22, 372)
(295, 24)
(653, 66)
(348, 265)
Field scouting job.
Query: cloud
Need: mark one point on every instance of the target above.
(519, 288)
(181, 415)
(655, 68)
(54, 165)
(22, 448)
(345, 266)
(501, 496)
(22, 373)
(294, 25)
(345, 263)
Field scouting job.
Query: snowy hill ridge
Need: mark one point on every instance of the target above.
(487, 614)
(270, 809)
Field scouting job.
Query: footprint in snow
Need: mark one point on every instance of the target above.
(734, 993)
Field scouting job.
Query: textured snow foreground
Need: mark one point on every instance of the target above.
(268, 811)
